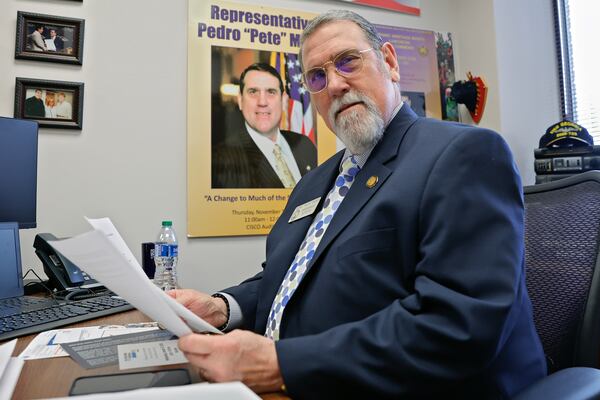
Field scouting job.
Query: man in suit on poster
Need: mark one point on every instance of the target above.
(397, 267)
(262, 156)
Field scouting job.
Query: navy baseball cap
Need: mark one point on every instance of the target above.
(566, 134)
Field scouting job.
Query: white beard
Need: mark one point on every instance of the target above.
(358, 129)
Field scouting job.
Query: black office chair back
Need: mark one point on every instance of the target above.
(562, 226)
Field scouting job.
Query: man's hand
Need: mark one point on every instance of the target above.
(236, 356)
(211, 309)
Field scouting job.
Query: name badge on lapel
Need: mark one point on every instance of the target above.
(304, 210)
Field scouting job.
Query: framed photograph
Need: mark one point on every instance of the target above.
(53, 104)
(49, 38)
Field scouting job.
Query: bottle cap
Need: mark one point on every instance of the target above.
(167, 223)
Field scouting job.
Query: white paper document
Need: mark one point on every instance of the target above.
(204, 391)
(149, 354)
(103, 258)
(47, 344)
(106, 226)
(10, 369)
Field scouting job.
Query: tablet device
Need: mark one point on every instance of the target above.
(130, 381)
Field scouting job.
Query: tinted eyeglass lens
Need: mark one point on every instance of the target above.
(316, 79)
(348, 63)
(345, 64)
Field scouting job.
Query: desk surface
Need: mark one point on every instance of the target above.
(52, 377)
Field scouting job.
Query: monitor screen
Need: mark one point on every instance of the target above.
(11, 284)
(18, 171)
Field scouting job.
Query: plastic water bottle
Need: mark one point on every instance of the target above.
(165, 257)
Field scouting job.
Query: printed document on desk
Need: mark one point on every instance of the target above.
(48, 344)
(97, 255)
(204, 391)
(10, 369)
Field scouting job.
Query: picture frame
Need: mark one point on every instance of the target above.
(53, 104)
(49, 38)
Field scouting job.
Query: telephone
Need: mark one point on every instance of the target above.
(63, 274)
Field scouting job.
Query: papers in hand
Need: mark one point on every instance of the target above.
(103, 254)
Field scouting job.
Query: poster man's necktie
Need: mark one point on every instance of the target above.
(283, 170)
(309, 246)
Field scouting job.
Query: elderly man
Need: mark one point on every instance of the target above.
(396, 269)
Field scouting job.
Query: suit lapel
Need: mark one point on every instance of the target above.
(298, 151)
(288, 237)
(296, 231)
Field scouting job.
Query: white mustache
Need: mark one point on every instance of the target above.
(350, 97)
(358, 131)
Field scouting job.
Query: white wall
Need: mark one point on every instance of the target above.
(134, 133)
(528, 76)
(476, 53)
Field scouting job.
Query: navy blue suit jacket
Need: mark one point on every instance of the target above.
(417, 288)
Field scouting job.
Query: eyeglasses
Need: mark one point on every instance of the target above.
(347, 63)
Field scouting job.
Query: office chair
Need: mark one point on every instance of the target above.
(562, 236)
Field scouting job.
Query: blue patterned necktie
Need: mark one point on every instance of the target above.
(309, 246)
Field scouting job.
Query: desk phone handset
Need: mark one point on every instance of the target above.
(63, 274)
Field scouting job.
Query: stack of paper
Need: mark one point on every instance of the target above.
(10, 369)
(103, 254)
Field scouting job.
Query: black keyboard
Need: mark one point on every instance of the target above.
(27, 315)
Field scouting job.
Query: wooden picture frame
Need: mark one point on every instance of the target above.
(53, 104)
(49, 38)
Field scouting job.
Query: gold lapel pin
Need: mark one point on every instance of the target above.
(372, 181)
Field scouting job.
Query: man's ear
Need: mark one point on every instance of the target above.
(391, 61)
(239, 99)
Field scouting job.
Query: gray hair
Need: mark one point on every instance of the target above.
(343, 15)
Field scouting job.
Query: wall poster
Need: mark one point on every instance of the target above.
(447, 76)
(417, 57)
(237, 184)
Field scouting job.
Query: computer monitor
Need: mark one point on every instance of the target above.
(11, 284)
(18, 171)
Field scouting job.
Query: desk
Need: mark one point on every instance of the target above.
(52, 377)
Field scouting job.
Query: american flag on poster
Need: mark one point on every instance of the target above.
(299, 116)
